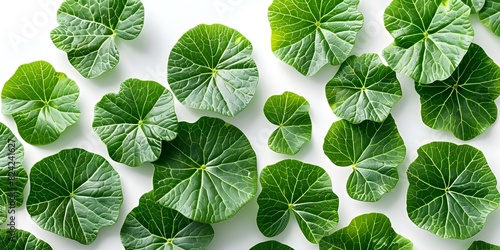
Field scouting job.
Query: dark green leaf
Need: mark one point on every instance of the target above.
(475, 5)
(22, 240)
(4, 207)
(271, 245)
(490, 15)
(481, 245)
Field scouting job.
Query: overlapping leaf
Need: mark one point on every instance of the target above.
(481, 245)
(490, 15)
(271, 244)
(475, 5)
(22, 240)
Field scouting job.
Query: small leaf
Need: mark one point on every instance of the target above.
(291, 113)
(481, 245)
(271, 245)
(211, 68)
(41, 101)
(133, 122)
(490, 15)
(452, 190)
(74, 193)
(310, 34)
(22, 240)
(304, 190)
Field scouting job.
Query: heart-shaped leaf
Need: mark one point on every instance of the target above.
(21, 240)
(291, 113)
(301, 189)
(475, 5)
(481, 245)
(208, 172)
(452, 190)
(74, 193)
(373, 150)
(88, 29)
(429, 41)
(310, 34)
(464, 103)
(367, 231)
(211, 68)
(490, 15)
(133, 122)
(41, 101)
(271, 244)
(156, 227)
(363, 89)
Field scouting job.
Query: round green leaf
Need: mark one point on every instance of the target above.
(208, 172)
(133, 122)
(304, 190)
(211, 68)
(88, 29)
(366, 232)
(490, 15)
(481, 245)
(429, 42)
(464, 103)
(22, 240)
(452, 190)
(373, 150)
(153, 226)
(310, 34)
(271, 244)
(363, 89)
(41, 101)
(291, 113)
(74, 193)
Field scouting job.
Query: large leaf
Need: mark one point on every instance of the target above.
(41, 101)
(373, 150)
(88, 29)
(363, 89)
(211, 68)
(133, 122)
(74, 193)
(310, 34)
(452, 190)
(304, 190)
(291, 113)
(464, 103)
(431, 37)
(208, 172)
(490, 15)
(366, 232)
(475, 5)
(155, 227)
(21, 240)
(481, 245)
(271, 244)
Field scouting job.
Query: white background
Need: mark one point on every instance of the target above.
(24, 30)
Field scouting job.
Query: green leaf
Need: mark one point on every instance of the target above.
(208, 172)
(22, 240)
(464, 103)
(133, 122)
(291, 113)
(490, 15)
(271, 245)
(88, 29)
(373, 150)
(74, 193)
(310, 34)
(153, 226)
(363, 89)
(475, 5)
(41, 101)
(366, 232)
(4, 207)
(431, 37)
(452, 190)
(211, 68)
(481, 245)
(301, 189)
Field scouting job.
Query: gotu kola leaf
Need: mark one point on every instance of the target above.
(88, 29)
(41, 101)
(211, 68)
(21, 240)
(490, 15)
(208, 172)
(481, 245)
(304, 190)
(452, 190)
(310, 34)
(271, 244)
(133, 122)
(74, 193)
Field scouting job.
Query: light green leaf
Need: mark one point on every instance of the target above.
(366, 232)
(41, 101)
(271, 245)
(452, 190)
(481, 245)
(74, 193)
(21, 240)
(155, 227)
(211, 68)
(373, 150)
(475, 5)
(464, 103)
(431, 37)
(208, 173)
(88, 29)
(301, 189)
(310, 34)
(490, 15)
(133, 122)
(291, 113)
(4, 207)
(363, 89)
